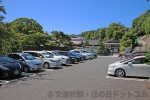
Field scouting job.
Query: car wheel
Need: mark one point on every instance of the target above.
(120, 73)
(46, 65)
(82, 58)
(26, 69)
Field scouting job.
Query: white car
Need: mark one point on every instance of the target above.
(64, 59)
(46, 58)
(134, 67)
(87, 55)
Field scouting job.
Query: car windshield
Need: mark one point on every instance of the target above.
(73, 53)
(47, 55)
(84, 51)
(122, 61)
(68, 54)
(56, 54)
(76, 51)
(28, 57)
(5, 59)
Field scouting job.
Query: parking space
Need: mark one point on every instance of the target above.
(36, 74)
(86, 76)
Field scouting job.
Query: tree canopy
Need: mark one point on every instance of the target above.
(27, 31)
(2, 9)
(26, 26)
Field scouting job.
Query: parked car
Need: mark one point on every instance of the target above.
(79, 53)
(83, 57)
(86, 51)
(86, 55)
(9, 67)
(94, 53)
(64, 59)
(79, 58)
(72, 58)
(27, 61)
(134, 67)
(46, 58)
(131, 55)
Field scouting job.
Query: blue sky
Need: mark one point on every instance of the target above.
(75, 16)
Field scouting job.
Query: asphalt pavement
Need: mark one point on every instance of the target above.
(87, 80)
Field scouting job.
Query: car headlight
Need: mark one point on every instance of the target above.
(112, 66)
(3, 68)
(30, 63)
(52, 60)
(72, 58)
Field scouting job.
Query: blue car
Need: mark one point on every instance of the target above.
(9, 67)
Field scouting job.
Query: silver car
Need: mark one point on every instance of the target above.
(87, 55)
(134, 67)
(27, 61)
(46, 58)
(64, 59)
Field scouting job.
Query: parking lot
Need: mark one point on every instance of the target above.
(85, 80)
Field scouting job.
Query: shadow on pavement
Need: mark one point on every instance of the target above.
(137, 77)
(82, 62)
(68, 65)
(76, 63)
(57, 68)
(131, 77)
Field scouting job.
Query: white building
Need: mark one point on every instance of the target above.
(77, 40)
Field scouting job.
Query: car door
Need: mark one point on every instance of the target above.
(39, 57)
(146, 68)
(19, 59)
(136, 67)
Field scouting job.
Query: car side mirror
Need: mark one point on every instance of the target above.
(41, 57)
(129, 63)
(20, 59)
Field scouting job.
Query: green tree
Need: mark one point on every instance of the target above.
(86, 42)
(111, 28)
(147, 56)
(101, 33)
(147, 26)
(5, 36)
(26, 26)
(127, 40)
(60, 38)
(91, 49)
(141, 23)
(37, 39)
(2, 9)
(101, 47)
(115, 31)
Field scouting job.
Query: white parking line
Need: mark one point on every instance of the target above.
(124, 78)
(4, 82)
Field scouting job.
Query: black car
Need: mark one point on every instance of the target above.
(79, 57)
(9, 67)
(80, 54)
(72, 58)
